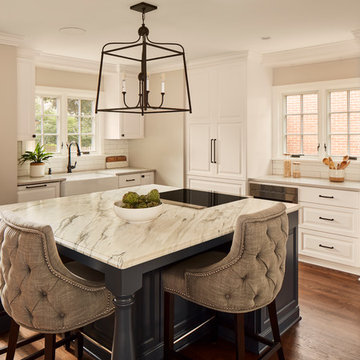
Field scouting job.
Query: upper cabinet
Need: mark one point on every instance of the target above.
(122, 125)
(215, 129)
(25, 99)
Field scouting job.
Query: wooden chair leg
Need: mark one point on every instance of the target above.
(50, 340)
(240, 336)
(168, 325)
(13, 337)
(67, 343)
(275, 328)
(79, 345)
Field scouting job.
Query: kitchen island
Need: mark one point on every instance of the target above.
(131, 257)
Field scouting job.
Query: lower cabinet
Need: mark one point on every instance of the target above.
(38, 191)
(329, 229)
(233, 188)
(144, 178)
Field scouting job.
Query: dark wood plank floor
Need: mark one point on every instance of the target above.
(329, 329)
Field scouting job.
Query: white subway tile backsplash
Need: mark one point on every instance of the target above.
(316, 169)
(85, 162)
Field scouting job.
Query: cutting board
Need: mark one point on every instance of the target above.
(113, 162)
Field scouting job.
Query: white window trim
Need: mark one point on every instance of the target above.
(63, 94)
(322, 88)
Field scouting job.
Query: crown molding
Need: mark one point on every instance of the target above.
(313, 54)
(11, 39)
(59, 62)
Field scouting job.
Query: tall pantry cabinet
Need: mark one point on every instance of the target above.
(217, 143)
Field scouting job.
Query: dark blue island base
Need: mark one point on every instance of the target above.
(148, 311)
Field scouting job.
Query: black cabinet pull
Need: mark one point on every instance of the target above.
(326, 247)
(36, 186)
(142, 176)
(127, 180)
(214, 151)
(211, 151)
(327, 219)
(326, 197)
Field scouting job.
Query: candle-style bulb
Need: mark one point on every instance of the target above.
(147, 84)
(123, 85)
(163, 87)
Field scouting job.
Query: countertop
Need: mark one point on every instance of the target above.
(87, 224)
(76, 175)
(315, 182)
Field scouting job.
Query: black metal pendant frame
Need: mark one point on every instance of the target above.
(113, 48)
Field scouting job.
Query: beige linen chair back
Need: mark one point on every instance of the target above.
(37, 290)
(251, 275)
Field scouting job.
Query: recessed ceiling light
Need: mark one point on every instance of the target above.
(265, 37)
(72, 30)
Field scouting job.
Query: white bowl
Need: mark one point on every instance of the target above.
(136, 216)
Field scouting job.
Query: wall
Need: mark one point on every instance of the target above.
(8, 124)
(330, 70)
(259, 79)
(65, 79)
(163, 146)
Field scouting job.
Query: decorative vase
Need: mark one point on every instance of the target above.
(37, 169)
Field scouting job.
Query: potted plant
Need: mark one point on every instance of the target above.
(37, 160)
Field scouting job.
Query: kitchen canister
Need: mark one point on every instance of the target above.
(296, 169)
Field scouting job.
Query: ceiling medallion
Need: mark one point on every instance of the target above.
(118, 49)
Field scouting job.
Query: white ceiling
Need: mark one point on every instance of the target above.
(203, 27)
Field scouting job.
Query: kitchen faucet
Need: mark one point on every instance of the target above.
(69, 166)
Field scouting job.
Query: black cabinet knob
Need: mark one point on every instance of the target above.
(34, 136)
(122, 135)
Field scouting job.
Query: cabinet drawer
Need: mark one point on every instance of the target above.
(343, 222)
(38, 192)
(328, 247)
(129, 180)
(332, 197)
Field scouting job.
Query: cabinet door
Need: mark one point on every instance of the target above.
(25, 99)
(147, 178)
(199, 149)
(132, 125)
(230, 150)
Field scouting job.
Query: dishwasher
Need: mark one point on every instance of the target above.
(274, 192)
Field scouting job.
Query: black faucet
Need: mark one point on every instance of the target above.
(69, 166)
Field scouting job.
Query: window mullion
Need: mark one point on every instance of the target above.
(348, 120)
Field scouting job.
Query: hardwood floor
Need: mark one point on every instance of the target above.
(329, 329)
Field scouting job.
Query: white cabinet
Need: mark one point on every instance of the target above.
(143, 178)
(40, 191)
(147, 178)
(121, 125)
(233, 188)
(215, 130)
(329, 230)
(25, 99)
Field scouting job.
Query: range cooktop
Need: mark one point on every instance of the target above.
(196, 198)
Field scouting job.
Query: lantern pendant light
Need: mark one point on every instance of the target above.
(118, 49)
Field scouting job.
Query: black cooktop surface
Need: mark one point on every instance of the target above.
(199, 198)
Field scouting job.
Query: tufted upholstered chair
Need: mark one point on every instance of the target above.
(246, 279)
(39, 292)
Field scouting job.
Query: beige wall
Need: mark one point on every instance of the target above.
(8, 125)
(329, 70)
(163, 146)
(65, 79)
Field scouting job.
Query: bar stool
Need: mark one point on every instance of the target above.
(248, 278)
(40, 293)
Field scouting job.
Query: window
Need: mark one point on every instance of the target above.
(64, 115)
(344, 122)
(301, 123)
(81, 123)
(47, 122)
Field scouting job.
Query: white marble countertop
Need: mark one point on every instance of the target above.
(76, 175)
(88, 224)
(316, 182)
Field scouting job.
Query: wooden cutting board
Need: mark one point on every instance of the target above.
(113, 162)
